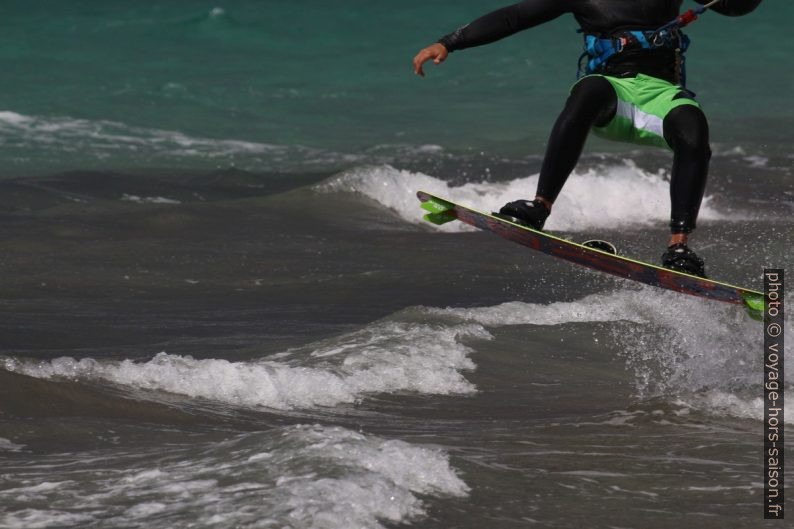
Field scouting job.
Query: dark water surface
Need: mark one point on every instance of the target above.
(215, 350)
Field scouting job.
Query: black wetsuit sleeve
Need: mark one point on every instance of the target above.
(733, 8)
(505, 22)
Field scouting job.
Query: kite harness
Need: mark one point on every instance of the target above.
(598, 49)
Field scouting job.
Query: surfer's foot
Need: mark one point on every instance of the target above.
(530, 213)
(680, 258)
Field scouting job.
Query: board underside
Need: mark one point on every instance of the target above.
(441, 211)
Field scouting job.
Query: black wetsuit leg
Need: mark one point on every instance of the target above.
(687, 132)
(592, 103)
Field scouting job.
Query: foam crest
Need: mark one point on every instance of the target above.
(300, 476)
(613, 197)
(593, 308)
(7, 446)
(387, 356)
(419, 469)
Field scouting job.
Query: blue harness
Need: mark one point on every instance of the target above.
(598, 50)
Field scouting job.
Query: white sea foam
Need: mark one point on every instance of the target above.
(387, 356)
(619, 196)
(756, 161)
(710, 359)
(106, 139)
(148, 200)
(40, 518)
(725, 403)
(593, 308)
(8, 446)
(104, 133)
(301, 476)
(103, 139)
(12, 118)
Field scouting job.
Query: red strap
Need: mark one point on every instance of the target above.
(687, 18)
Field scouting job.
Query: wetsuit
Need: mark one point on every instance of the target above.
(596, 100)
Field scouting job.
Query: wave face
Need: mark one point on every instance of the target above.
(718, 372)
(669, 357)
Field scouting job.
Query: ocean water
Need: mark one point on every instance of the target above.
(219, 305)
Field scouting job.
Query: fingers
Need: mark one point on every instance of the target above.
(420, 59)
(437, 52)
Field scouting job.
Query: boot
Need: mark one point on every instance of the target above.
(680, 258)
(529, 213)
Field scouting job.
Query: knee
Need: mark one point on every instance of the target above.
(686, 129)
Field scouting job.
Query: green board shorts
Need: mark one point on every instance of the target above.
(643, 102)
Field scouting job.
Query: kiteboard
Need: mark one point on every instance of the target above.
(596, 256)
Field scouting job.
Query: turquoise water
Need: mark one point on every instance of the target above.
(90, 84)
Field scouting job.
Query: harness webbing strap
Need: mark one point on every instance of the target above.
(599, 50)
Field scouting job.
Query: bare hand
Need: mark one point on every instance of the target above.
(438, 52)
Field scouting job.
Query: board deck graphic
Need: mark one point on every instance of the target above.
(441, 211)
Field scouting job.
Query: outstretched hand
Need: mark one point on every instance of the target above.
(438, 52)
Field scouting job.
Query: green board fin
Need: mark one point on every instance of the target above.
(440, 211)
(436, 205)
(754, 304)
(440, 218)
